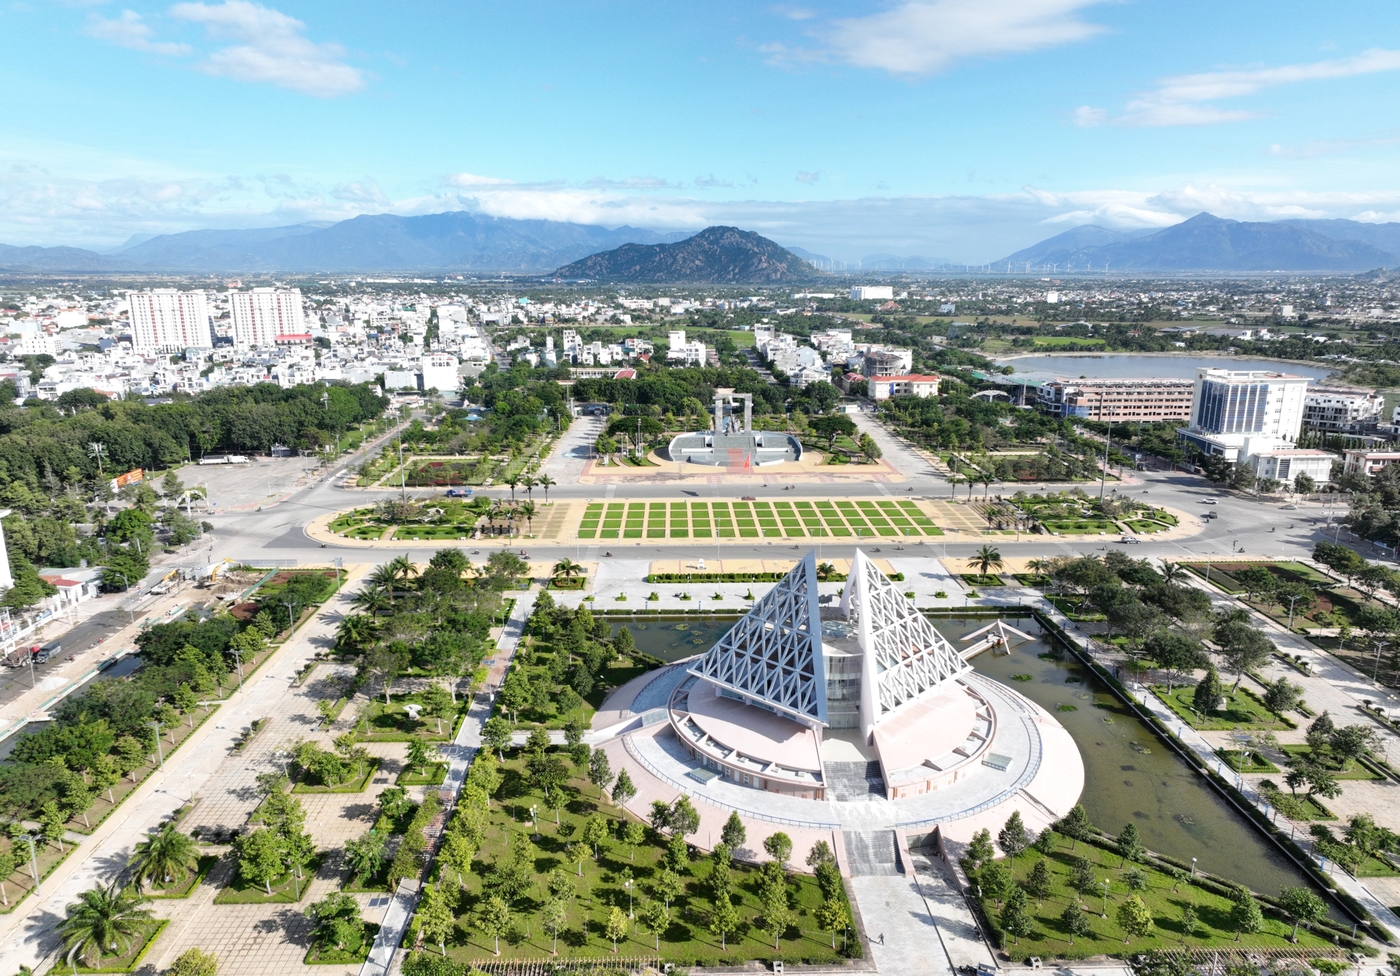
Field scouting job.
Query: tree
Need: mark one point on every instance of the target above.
(1190, 921)
(1304, 484)
(437, 703)
(595, 831)
(367, 854)
(1134, 918)
(1135, 879)
(633, 833)
(980, 851)
(337, 921)
(986, 559)
(103, 920)
(420, 754)
(1081, 876)
(1038, 883)
(820, 854)
(616, 926)
(733, 833)
(495, 735)
(1075, 921)
(1208, 693)
(1129, 844)
(776, 914)
(995, 881)
(554, 916)
(668, 886)
(194, 962)
(1351, 742)
(685, 819)
(164, 857)
(599, 769)
(1013, 838)
(624, 789)
(8, 863)
(779, 848)
(1301, 905)
(1281, 696)
(1015, 920)
(436, 919)
(1245, 915)
(656, 918)
(493, 918)
(568, 568)
(388, 663)
(260, 857)
(870, 449)
(1076, 825)
(724, 918)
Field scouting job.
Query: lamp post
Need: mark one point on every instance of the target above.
(628, 885)
(1193, 867)
(160, 753)
(238, 661)
(33, 863)
(1291, 601)
(1103, 885)
(1375, 673)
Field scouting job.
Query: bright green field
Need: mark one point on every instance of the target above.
(756, 520)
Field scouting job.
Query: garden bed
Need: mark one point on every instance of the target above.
(286, 890)
(203, 866)
(331, 956)
(129, 961)
(434, 775)
(1243, 710)
(356, 785)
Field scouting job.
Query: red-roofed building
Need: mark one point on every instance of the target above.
(625, 374)
(294, 339)
(913, 384)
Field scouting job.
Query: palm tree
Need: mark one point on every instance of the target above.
(825, 571)
(165, 856)
(567, 567)
(352, 631)
(986, 479)
(1173, 573)
(953, 481)
(1038, 567)
(97, 450)
(103, 920)
(402, 567)
(527, 512)
(529, 484)
(383, 578)
(986, 560)
(544, 481)
(374, 600)
(513, 483)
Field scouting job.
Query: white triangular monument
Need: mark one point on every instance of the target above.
(905, 657)
(772, 657)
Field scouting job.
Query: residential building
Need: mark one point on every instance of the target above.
(167, 320)
(866, 293)
(1287, 465)
(1342, 411)
(687, 353)
(1117, 399)
(1367, 463)
(440, 373)
(1238, 413)
(261, 315)
(888, 362)
(884, 387)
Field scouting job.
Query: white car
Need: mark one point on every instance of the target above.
(1209, 501)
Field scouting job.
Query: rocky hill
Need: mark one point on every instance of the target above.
(716, 255)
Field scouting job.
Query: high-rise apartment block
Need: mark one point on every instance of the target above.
(261, 315)
(167, 320)
(1239, 413)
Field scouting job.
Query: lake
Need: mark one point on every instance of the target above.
(1125, 365)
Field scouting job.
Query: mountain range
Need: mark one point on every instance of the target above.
(457, 241)
(1210, 243)
(716, 255)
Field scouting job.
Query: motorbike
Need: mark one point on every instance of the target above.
(607, 553)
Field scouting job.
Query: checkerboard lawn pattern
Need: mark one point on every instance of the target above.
(756, 520)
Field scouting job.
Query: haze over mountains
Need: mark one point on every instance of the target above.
(1210, 243)
(472, 243)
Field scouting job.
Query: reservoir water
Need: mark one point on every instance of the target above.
(1131, 365)
(1130, 775)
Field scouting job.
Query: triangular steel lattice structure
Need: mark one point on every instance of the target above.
(904, 655)
(773, 656)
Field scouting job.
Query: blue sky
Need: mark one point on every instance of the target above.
(959, 129)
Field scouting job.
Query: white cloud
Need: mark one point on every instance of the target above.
(1330, 147)
(269, 47)
(808, 178)
(472, 179)
(921, 37)
(1187, 99)
(130, 31)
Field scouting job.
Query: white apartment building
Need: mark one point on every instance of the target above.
(1236, 414)
(1117, 399)
(1342, 410)
(167, 320)
(440, 372)
(1287, 465)
(261, 315)
(913, 384)
(688, 353)
(865, 293)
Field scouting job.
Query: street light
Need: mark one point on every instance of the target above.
(1377, 671)
(159, 751)
(33, 862)
(238, 660)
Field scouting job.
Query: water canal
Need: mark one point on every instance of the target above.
(1130, 774)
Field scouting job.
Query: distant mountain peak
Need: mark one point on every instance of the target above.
(716, 255)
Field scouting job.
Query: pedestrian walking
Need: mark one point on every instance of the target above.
(882, 938)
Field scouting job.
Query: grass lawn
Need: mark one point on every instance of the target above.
(686, 941)
(128, 961)
(1050, 939)
(20, 883)
(355, 785)
(390, 723)
(284, 890)
(974, 579)
(1242, 710)
(1257, 763)
(202, 868)
(1070, 607)
(316, 956)
(432, 776)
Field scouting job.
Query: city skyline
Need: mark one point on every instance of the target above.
(947, 129)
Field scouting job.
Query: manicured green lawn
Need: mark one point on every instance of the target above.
(686, 941)
(284, 889)
(202, 868)
(1050, 938)
(1242, 711)
(390, 723)
(434, 775)
(1351, 769)
(1257, 763)
(315, 956)
(354, 785)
